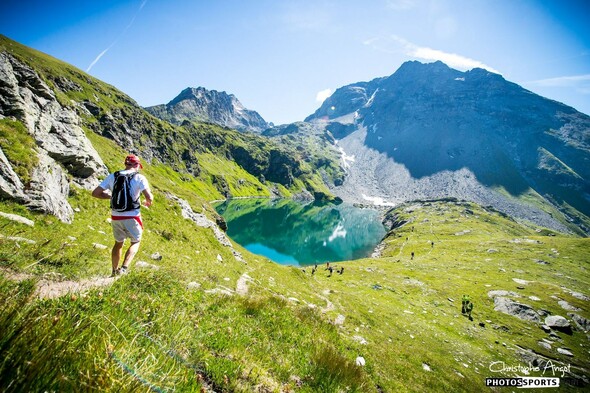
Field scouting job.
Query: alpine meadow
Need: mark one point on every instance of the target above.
(487, 187)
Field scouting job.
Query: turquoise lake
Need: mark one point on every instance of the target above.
(293, 233)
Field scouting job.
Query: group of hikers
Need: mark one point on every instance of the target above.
(124, 189)
(329, 268)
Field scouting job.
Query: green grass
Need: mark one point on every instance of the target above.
(148, 329)
(149, 332)
(19, 148)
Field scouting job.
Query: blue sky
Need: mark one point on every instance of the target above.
(281, 58)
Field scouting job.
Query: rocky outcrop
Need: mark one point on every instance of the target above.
(49, 189)
(202, 221)
(62, 147)
(210, 106)
(519, 310)
(11, 186)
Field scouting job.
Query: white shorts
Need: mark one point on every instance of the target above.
(130, 228)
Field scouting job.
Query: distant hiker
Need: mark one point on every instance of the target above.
(313, 270)
(466, 306)
(327, 265)
(341, 270)
(125, 188)
(412, 255)
(329, 269)
(431, 244)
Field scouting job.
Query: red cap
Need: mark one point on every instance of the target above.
(133, 160)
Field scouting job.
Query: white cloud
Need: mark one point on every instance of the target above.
(451, 59)
(424, 53)
(322, 95)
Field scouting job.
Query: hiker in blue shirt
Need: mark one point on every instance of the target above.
(124, 188)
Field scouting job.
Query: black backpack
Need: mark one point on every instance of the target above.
(121, 199)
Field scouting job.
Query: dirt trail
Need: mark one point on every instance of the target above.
(50, 287)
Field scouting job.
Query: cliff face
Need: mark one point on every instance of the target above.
(61, 146)
(429, 131)
(200, 104)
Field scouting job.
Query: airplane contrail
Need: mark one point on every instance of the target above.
(101, 54)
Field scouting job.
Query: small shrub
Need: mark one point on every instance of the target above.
(332, 371)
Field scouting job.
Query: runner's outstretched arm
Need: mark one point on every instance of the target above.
(101, 193)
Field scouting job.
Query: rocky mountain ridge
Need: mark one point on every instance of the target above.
(428, 131)
(200, 104)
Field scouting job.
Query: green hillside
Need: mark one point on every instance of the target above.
(290, 331)
(206, 151)
(195, 314)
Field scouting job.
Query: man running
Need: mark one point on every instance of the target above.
(124, 188)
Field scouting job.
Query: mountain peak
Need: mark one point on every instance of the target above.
(218, 107)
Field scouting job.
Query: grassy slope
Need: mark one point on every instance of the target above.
(147, 328)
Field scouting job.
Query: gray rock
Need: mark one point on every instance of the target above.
(202, 221)
(578, 295)
(63, 147)
(556, 321)
(49, 189)
(11, 186)
(339, 320)
(156, 256)
(566, 306)
(18, 239)
(544, 345)
(146, 265)
(17, 218)
(193, 285)
(580, 321)
(520, 281)
(519, 310)
(564, 351)
(502, 293)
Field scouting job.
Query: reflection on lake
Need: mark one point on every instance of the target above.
(294, 233)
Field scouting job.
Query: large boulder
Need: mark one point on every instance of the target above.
(49, 189)
(519, 310)
(558, 322)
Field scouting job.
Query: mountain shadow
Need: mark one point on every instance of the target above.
(431, 119)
